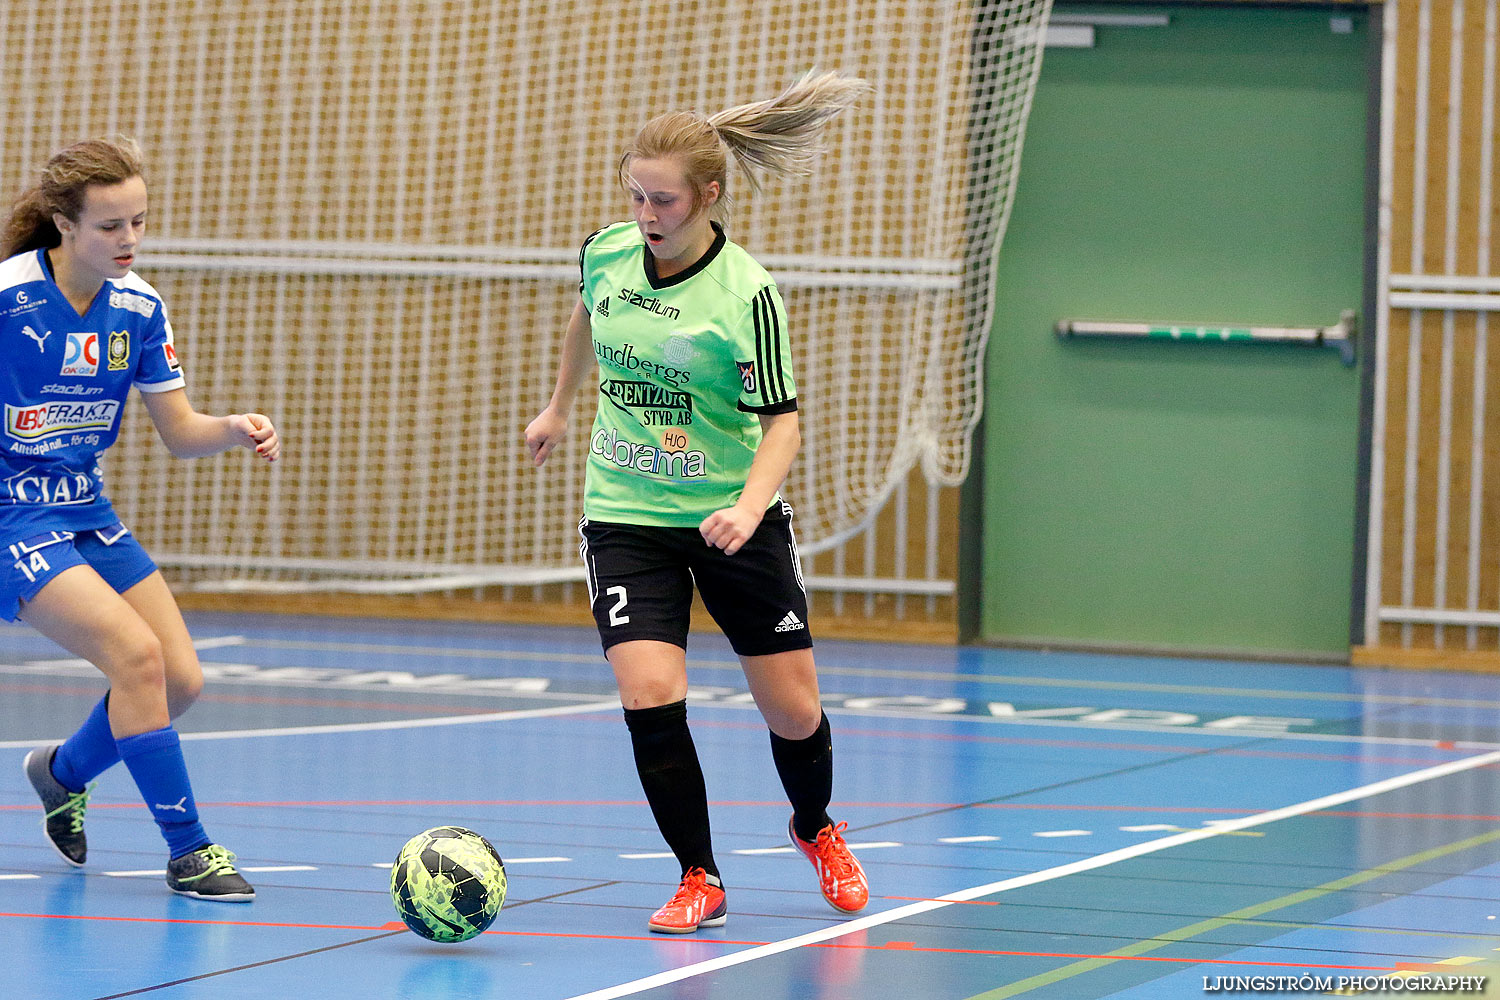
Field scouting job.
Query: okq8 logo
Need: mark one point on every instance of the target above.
(81, 355)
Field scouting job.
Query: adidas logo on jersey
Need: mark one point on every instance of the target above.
(603, 307)
(790, 623)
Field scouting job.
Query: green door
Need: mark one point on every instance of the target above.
(1197, 496)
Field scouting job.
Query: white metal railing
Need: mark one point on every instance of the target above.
(326, 257)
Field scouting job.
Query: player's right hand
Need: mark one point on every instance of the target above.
(544, 433)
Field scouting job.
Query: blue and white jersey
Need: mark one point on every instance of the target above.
(63, 384)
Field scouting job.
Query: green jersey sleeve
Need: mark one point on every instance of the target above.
(583, 271)
(763, 356)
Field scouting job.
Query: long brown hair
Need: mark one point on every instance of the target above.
(62, 187)
(780, 136)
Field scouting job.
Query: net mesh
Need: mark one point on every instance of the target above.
(365, 221)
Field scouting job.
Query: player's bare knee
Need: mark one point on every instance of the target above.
(648, 696)
(136, 663)
(796, 723)
(183, 691)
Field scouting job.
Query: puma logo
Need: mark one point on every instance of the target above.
(41, 340)
(180, 807)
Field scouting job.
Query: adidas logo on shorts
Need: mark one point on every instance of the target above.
(790, 623)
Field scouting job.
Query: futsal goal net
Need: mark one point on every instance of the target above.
(365, 218)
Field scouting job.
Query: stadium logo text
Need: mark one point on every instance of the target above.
(32, 423)
(635, 298)
(647, 458)
(73, 390)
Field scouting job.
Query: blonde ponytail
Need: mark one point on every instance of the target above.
(781, 136)
(785, 134)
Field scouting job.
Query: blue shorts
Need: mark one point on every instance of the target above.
(113, 552)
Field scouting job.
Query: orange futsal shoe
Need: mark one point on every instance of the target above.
(839, 875)
(698, 902)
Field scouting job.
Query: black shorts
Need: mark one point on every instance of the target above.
(641, 581)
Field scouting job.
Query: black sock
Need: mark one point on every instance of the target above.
(806, 769)
(672, 779)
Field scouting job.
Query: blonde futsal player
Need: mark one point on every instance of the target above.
(695, 433)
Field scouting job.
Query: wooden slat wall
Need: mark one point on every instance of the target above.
(1428, 536)
(880, 617)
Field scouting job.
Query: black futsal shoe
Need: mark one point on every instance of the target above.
(209, 873)
(63, 822)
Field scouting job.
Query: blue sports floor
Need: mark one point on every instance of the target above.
(1048, 825)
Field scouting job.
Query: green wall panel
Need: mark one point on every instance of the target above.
(1199, 496)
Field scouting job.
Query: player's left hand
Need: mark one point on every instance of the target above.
(256, 432)
(729, 528)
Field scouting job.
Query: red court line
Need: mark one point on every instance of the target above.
(206, 923)
(406, 707)
(902, 946)
(251, 699)
(1443, 745)
(89, 692)
(722, 803)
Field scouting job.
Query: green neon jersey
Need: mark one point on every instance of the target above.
(686, 366)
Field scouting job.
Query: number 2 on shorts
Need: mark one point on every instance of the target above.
(615, 618)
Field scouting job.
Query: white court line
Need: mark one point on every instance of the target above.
(367, 727)
(1073, 868)
(1003, 680)
(648, 857)
(509, 861)
(973, 840)
(258, 868)
(13, 877)
(1117, 726)
(212, 642)
(219, 641)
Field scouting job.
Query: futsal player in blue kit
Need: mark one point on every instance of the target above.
(78, 329)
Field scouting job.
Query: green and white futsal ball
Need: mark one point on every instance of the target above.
(448, 883)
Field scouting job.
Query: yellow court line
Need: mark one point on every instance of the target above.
(1249, 912)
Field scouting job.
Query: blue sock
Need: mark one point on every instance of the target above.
(88, 752)
(155, 762)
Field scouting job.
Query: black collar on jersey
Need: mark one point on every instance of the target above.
(692, 269)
